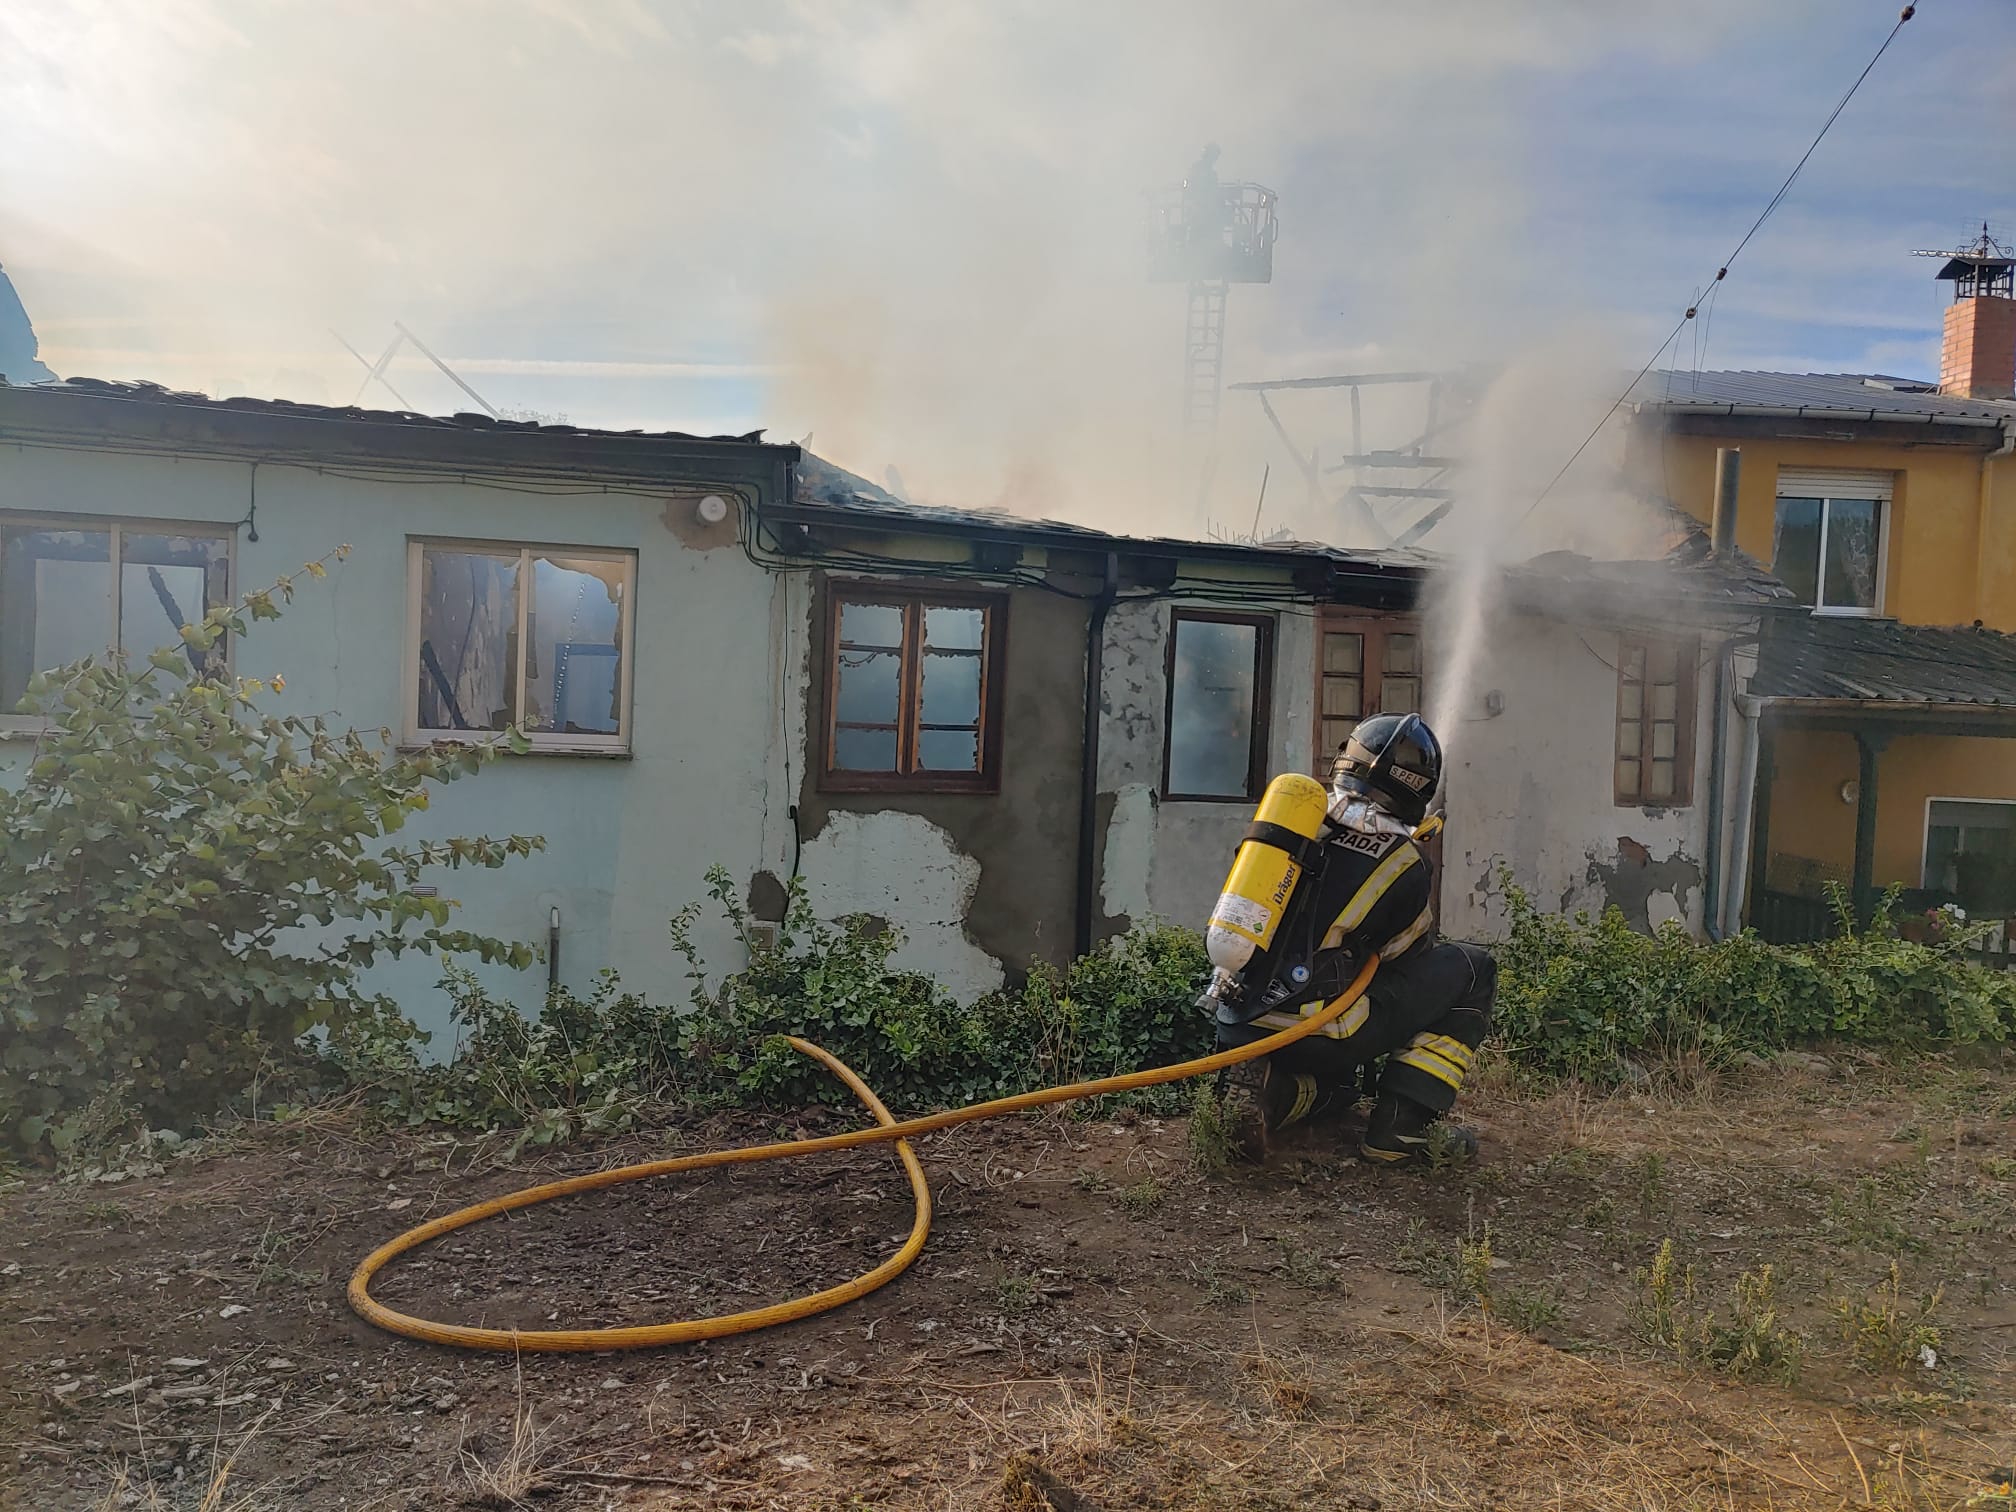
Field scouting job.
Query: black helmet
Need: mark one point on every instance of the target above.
(1395, 761)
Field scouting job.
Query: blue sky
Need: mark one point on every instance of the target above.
(911, 229)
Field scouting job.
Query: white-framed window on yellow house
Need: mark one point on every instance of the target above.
(534, 637)
(1830, 537)
(72, 587)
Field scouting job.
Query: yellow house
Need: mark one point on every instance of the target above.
(1878, 723)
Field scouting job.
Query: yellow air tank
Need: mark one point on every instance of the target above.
(1263, 875)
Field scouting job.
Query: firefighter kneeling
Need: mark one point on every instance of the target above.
(1340, 887)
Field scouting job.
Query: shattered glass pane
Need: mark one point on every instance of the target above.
(864, 750)
(574, 664)
(868, 687)
(165, 583)
(951, 690)
(1212, 699)
(55, 603)
(468, 639)
(871, 625)
(954, 629)
(948, 750)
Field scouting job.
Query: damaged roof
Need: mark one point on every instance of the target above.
(823, 485)
(1834, 658)
(1685, 570)
(153, 393)
(1833, 396)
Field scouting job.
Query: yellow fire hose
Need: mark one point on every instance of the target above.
(463, 1336)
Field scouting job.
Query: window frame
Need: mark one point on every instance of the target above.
(1866, 488)
(542, 742)
(1374, 628)
(1263, 701)
(12, 724)
(913, 598)
(1925, 830)
(1686, 716)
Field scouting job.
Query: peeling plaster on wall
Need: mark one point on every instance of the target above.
(681, 516)
(1130, 854)
(1164, 860)
(1534, 790)
(1648, 892)
(907, 870)
(1133, 690)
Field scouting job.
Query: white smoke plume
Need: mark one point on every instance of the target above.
(914, 230)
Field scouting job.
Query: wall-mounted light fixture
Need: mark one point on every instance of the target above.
(1850, 791)
(713, 509)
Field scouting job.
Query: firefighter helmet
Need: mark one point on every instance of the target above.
(1395, 761)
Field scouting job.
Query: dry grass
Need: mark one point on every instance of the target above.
(1465, 1417)
(138, 1491)
(522, 1470)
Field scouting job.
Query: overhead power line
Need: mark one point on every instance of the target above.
(1728, 262)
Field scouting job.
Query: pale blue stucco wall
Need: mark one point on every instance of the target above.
(627, 841)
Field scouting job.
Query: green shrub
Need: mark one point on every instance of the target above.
(586, 1065)
(188, 886)
(1589, 997)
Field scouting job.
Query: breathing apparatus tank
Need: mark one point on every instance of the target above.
(1265, 872)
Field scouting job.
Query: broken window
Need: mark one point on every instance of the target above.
(1655, 721)
(1220, 669)
(525, 636)
(72, 589)
(1827, 540)
(1365, 666)
(913, 689)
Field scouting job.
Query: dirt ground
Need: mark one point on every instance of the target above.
(1094, 1324)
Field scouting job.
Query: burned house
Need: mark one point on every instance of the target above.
(1008, 739)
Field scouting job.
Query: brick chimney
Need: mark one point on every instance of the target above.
(1978, 360)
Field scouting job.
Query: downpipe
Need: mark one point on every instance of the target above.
(1088, 784)
(1752, 710)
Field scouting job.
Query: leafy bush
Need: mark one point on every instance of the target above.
(167, 867)
(1591, 997)
(588, 1065)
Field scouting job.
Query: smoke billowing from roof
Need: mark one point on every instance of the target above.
(915, 230)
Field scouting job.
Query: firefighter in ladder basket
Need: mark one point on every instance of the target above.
(1321, 881)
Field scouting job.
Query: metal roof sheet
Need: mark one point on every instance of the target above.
(1833, 657)
(1869, 396)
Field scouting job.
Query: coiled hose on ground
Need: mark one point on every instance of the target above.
(465, 1336)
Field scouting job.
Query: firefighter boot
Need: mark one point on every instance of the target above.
(1401, 1129)
(1281, 1099)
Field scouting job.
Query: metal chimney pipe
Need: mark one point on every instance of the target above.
(1728, 473)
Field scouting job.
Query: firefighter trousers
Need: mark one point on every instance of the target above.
(1426, 1014)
